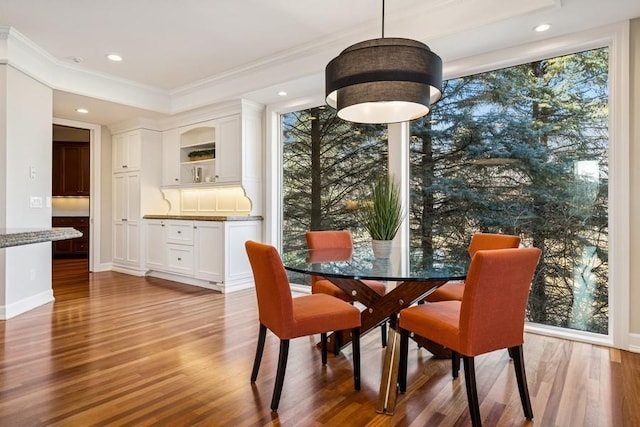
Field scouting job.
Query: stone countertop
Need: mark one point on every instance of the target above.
(25, 236)
(205, 217)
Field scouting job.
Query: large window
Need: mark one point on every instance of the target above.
(523, 150)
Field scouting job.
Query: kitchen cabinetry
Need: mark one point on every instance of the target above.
(127, 151)
(204, 253)
(71, 172)
(137, 172)
(76, 248)
(236, 135)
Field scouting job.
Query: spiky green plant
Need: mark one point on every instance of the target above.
(382, 215)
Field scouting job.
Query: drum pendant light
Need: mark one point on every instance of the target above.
(385, 80)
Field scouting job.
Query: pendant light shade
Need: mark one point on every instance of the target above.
(385, 80)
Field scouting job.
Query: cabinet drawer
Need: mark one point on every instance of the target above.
(180, 258)
(180, 232)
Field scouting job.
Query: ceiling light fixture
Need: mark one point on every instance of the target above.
(82, 110)
(114, 57)
(282, 93)
(385, 80)
(541, 28)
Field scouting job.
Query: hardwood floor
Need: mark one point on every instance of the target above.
(121, 350)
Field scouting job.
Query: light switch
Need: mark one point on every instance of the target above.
(35, 202)
(32, 172)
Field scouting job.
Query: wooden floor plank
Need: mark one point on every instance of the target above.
(121, 350)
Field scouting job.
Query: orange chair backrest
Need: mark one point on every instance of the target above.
(486, 241)
(275, 305)
(329, 239)
(496, 291)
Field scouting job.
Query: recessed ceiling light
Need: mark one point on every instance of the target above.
(82, 110)
(541, 28)
(114, 57)
(282, 93)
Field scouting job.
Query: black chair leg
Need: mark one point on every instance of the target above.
(455, 363)
(323, 340)
(337, 342)
(404, 354)
(256, 362)
(472, 391)
(282, 366)
(383, 333)
(355, 342)
(518, 364)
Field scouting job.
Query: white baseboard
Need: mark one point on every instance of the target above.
(102, 267)
(184, 279)
(128, 270)
(25, 304)
(634, 343)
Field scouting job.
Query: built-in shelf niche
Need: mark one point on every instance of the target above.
(198, 139)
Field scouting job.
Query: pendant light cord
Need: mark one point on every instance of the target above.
(382, 18)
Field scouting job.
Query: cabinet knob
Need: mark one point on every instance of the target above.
(179, 259)
(176, 179)
(124, 219)
(124, 166)
(179, 232)
(161, 225)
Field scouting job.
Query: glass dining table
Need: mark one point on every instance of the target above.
(409, 279)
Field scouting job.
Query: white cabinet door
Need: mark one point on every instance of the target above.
(171, 157)
(119, 242)
(209, 250)
(155, 250)
(127, 151)
(126, 216)
(228, 150)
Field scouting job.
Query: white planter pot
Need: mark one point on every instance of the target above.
(381, 248)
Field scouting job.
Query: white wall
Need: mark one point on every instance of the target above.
(25, 141)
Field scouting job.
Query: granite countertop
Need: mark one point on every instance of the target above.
(206, 217)
(25, 236)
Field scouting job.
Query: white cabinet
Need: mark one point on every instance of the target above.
(127, 151)
(137, 175)
(229, 150)
(170, 153)
(204, 253)
(126, 217)
(209, 250)
(155, 247)
(234, 134)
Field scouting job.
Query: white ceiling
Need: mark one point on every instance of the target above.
(219, 49)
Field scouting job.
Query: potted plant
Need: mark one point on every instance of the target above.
(382, 215)
(202, 154)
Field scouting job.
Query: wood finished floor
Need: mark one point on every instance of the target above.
(121, 350)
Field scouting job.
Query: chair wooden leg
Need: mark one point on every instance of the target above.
(256, 362)
(518, 364)
(323, 340)
(383, 333)
(282, 366)
(355, 343)
(337, 343)
(402, 366)
(455, 363)
(472, 392)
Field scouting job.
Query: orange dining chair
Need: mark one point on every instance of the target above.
(490, 317)
(479, 241)
(339, 239)
(289, 317)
